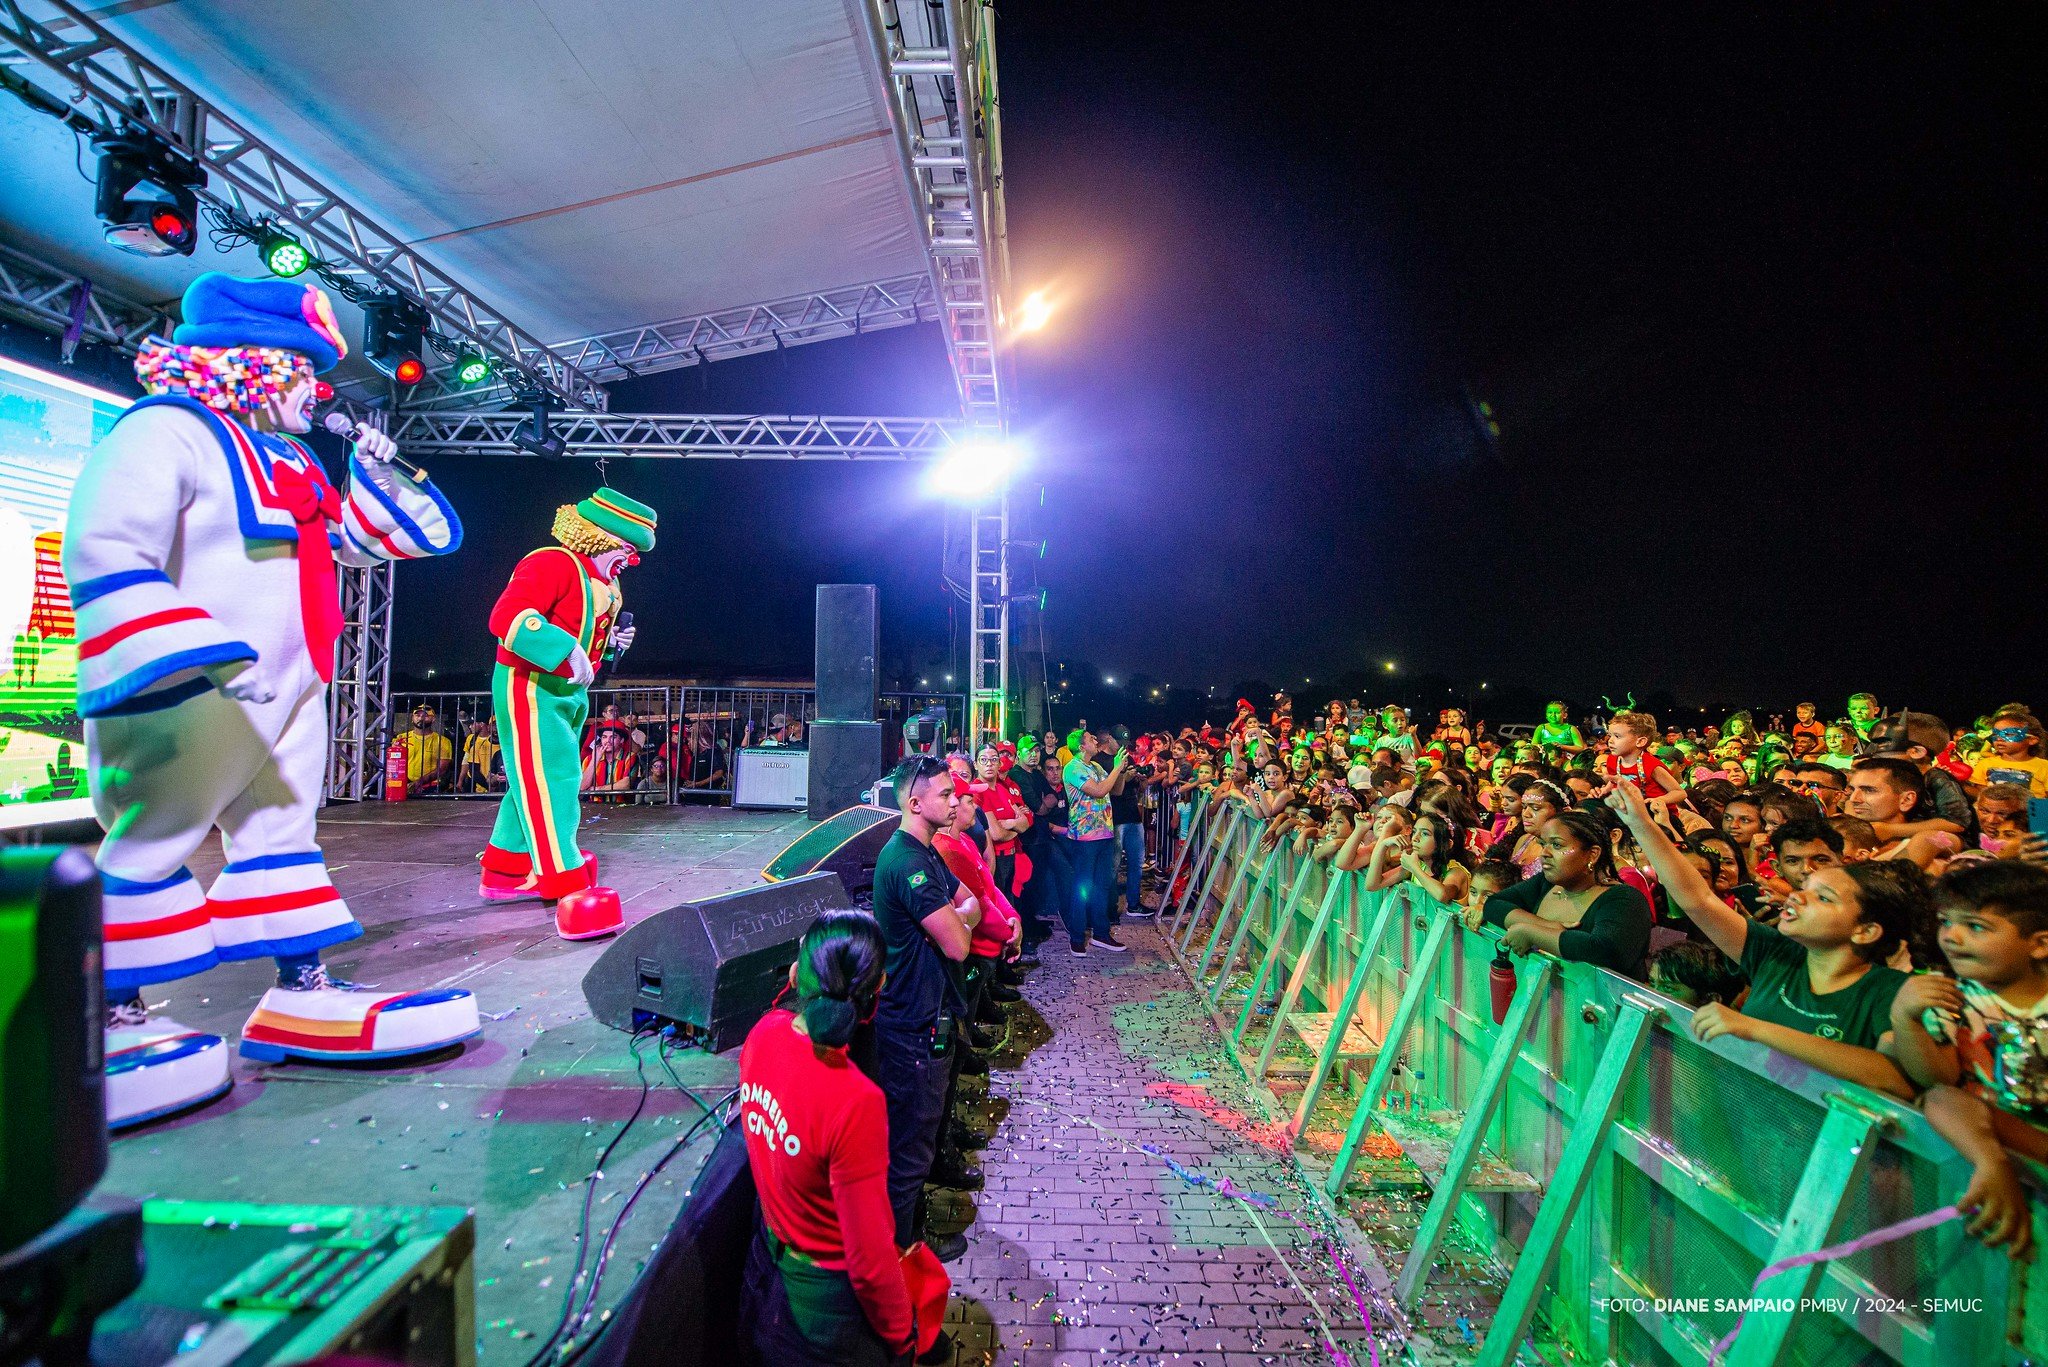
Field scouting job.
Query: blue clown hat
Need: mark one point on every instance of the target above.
(223, 311)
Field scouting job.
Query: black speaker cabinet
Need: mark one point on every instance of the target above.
(847, 845)
(847, 647)
(846, 757)
(714, 964)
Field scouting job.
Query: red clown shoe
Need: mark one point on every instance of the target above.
(510, 878)
(589, 915)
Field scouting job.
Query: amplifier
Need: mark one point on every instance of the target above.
(713, 964)
(232, 1285)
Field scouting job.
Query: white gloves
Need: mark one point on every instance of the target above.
(376, 450)
(622, 639)
(580, 672)
(241, 682)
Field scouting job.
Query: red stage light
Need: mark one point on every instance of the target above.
(410, 371)
(169, 224)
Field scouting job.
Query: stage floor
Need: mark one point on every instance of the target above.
(511, 1124)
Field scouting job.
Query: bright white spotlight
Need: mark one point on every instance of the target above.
(1035, 312)
(973, 468)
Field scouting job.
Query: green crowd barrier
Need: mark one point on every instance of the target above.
(1629, 1181)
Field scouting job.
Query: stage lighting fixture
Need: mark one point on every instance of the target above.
(147, 195)
(473, 367)
(394, 335)
(974, 468)
(283, 255)
(1034, 312)
(537, 438)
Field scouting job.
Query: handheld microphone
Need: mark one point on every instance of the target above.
(338, 423)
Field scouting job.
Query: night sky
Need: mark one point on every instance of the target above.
(1760, 314)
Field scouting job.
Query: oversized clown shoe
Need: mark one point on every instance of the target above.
(558, 614)
(200, 554)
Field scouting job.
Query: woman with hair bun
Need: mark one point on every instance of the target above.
(823, 1283)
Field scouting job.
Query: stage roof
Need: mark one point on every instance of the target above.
(587, 168)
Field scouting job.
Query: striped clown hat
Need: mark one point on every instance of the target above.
(605, 520)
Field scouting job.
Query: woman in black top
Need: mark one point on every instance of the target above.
(1576, 908)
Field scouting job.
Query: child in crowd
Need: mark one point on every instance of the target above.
(1820, 990)
(1981, 1044)
(2015, 754)
(1424, 855)
(1696, 974)
(1490, 878)
(1859, 838)
(1807, 728)
(1629, 738)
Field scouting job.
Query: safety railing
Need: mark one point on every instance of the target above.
(676, 742)
(1631, 1181)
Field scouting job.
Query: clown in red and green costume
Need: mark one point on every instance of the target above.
(557, 616)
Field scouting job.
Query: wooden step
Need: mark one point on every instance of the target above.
(1313, 1028)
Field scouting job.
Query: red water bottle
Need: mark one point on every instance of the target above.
(1501, 980)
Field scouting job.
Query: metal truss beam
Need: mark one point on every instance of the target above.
(725, 333)
(57, 46)
(939, 76)
(44, 296)
(684, 436)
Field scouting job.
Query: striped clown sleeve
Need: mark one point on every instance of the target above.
(142, 645)
(409, 520)
(277, 904)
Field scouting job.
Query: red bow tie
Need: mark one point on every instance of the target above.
(313, 503)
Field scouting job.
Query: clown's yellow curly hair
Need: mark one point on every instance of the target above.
(579, 533)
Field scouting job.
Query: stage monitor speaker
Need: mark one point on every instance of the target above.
(846, 845)
(713, 964)
(846, 758)
(53, 1112)
(847, 646)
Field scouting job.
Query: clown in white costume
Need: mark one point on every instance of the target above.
(199, 553)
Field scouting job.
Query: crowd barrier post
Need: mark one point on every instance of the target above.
(1391, 904)
(1243, 837)
(1275, 943)
(1566, 1188)
(1337, 893)
(1841, 1152)
(1267, 888)
(1219, 858)
(1536, 975)
(1421, 984)
(1204, 838)
(1181, 848)
(1224, 913)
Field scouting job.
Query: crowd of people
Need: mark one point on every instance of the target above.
(630, 755)
(1867, 896)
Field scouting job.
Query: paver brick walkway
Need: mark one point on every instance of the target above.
(1085, 1249)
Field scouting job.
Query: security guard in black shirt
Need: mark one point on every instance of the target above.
(924, 914)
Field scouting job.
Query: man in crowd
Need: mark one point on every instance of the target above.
(1127, 816)
(429, 755)
(1890, 794)
(1091, 844)
(926, 918)
(481, 770)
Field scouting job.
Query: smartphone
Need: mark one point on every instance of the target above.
(2037, 816)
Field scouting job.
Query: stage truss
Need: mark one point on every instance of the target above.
(938, 66)
(684, 436)
(44, 297)
(67, 54)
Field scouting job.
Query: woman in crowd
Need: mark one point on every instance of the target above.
(1576, 906)
(823, 1284)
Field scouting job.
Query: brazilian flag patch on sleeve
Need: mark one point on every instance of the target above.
(918, 880)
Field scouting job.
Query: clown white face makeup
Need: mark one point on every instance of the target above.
(292, 411)
(610, 562)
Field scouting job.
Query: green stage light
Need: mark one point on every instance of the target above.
(473, 368)
(283, 255)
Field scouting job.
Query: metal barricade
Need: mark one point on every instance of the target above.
(454, 749)
(1631, 1181)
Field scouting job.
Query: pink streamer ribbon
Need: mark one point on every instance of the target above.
(1904, 1229)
